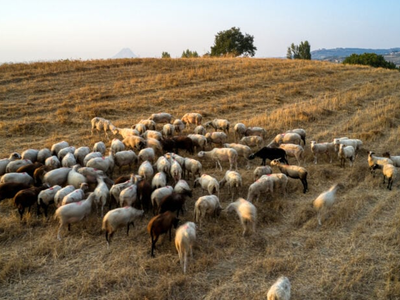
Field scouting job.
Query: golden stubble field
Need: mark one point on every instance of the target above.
(354, 254)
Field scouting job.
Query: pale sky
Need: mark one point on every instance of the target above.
(32, 30)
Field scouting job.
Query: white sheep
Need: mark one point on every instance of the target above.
(64, 151)
(101, 193)
(146, 170)
(61, 193)
(161, 117)
(52, 162)
(168, 130)
(325, 200)
(182, 187)
(43, 154)
(159, 180)
(17, 178)
(200, 130)
(73, 212)
(301, 132)
(30, 154)
(57, 176)
(247, 213)
(14, 165)
(295, 151)
(251, 131)
(242, 151)
(46, 197)
(185, 237)
(179, 125)
(76, 195)
(221, 154)
(125, 158)
(163, 164)
(178, 158)
(206, 206)
(216, 137)
(117, 146)
(355, 143)
(279, 180)
(100, 147)
(192, 167)
(176, 170)
(68, 160)
(207, 183)
(155, 145)
(287, 138)
(389, 171)
(395, 159)
(280, 290)
(75, 178)
(105, 164)
(261, 186)
(141, 128)
(80, 154)
(147, 154)
(90, 156)
(116, 190)
(239, 129)
(322, 148)
(261, 170)
(192, 118)
(252, 141)
(134, 142)
(153, 134)
(376, 160)
(234, 182)
(295, 172)
(150, 124)
(222, 124)
(101, 124)
(119, 217)
(55, 148)
(346, 152)
(5, 161)
(199, 141)
(158, 194)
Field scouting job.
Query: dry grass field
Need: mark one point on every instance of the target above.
(355, 254)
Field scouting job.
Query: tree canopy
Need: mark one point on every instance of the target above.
(302, 51)
(232, 42)
(189, 54)
(165, 55)
(369, 59)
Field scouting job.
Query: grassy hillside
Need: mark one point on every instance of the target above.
(353, 255)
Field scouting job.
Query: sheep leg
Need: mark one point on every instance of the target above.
(319, 218)
(127, 227)
(59, 230)
(390, 182)
(21, 212)
(384, 179)
(184, 262)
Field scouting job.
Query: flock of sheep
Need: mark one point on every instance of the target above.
(64, 175)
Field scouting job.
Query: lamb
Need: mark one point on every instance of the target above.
(5, 161)
(55, 148)
(150, 124)
(30, 154)
(64, 151)
(239, 130)
(61, 193)
(263, 170)
(100, 147)
(146, 170)
(252, 141)
(395, 159)
(280, 290)
(101, 193)
(271, 154)
(17, 178)
(147, 154)
(43, 154)
(101, 124)
(263, 185)
(185, 237)
(179, 125)
(199, 141)
(46, 197)
(119, 217)
(27, 198)
(105, 164)
(80, 154)
(222, 124)
(68, 161)
(176, 170)
(73, 212)
(247, 213)
(161, 118)
(221, 154)
(13, 166)
(301, 132)
(216, 138)
(125, 158)
(159, 180)
(376, 160)
(234, 181)
(160, 224)
(168, 130)
(206, 206)
(258, 131)
(200, 130)
(158, 195)
(76, 195)
(294, 172)
(295, 151)
(322, 148)
(207, 183)
(346, 152)
(117, 146)
(192, 118)
(10, 189)
(53, 162)
(242, 151)
(325, 200)
(193, 167)
(390, 172)
(134, 142)
(152, 134)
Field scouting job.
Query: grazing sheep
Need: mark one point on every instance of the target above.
(73, 212)
(30, 169)
(206, 206)
(178, 158)
(150, 124)
(144, 191)
(105, 164)
(322, 148)
(325, 200)
(101, 193)
(295, 151)
(5, 161)
(287, 138)
(76, 195)
(163, 164)
(100, 147)
(395, 159)
(43, 154)
(234, 181)
(159, 180)
(61, 193)
(222, 124)
(389, 171)
(182, 187)
(168, 130)
(160, 224)
(147, 154)
(239, 130)
(117, 146)
(242, 151)
(146, 170)
(46, 197)
(68, 160)
(199, 141)
(158, 194)
(207, 183)
(294, 172)
(53, 162)
(179, 125)
(200, 130)
(256, 131)
(376, 160)
(64, 151)
(174, 202)
(185, 237)
(101, 124)
(263, 170)
(252, 141)
(247, 213)
(17, 178)
(27, 198)
(221, 154)
(280, 290)
(90, 156)
(119, 217)
(263, 185)
(55, 148)
(30, 154)
(10, 189)
(271, 154)
(193, 167)
(117, 188)
(80, 154)
(355, 143)
(134, 142)
(128, 196)
(279, 180)
(184, 143)
(161, 118)
(176, 170)
(13, 166)
(155, 145)
(76, 178)
(125, 132)
(192, 118)
(141, 128)
(153, 134)
(300, 132)
(216, 138)
(346, 152)
(125, 158)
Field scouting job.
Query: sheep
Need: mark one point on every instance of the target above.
(64, 151)
(161, 118)
(301, 132)
(117, 188)
(174, 202)
(389, 171)
(53, 162)
(160, 224)
(57, 177)
(355, 143)
(295, 151)
(263, 185)
(234, 181)
(125, 158)
(182, 187)
(141, 128)
(159, 180)
(179, 125)
(13, 166)
(90, 156)
(279, 180)
(206, 206)
(183, 142)
(100, 147)
(376, 160)
(30, 169)
(199, 141)
(395, 159)
(146, 170)
(153, 134)
(325, 200)
(193, 167)
(294, 172)
(247, 213)
(117, 218)
(150, 124)
(216, 138)
(73, 212)
(43, 154)
(168, 130)
(252, 141)
(144, 191)
(192, 118)
(80, 154)
(185, 237)
(263, 170)
(117, 146)
(147, 154)
(239, 130)
(163, 164)
(322, 148)
(346, 152)
(128, 196)
(222, 124)
(256, 131)
(76, 178)
(178, 158)
(9, 189)
(168, 145)
(5, 161)
(176, 170)
(68, 161)
(27, 197)
(158, 194)
(200, 130)
(75, 195)
(134, 142)
(30, 154)
(46, 197)
(221, 154)
(155, 145)
(55, 148)
(105, 164)
(60, 194)
(101, 124)
(242, 151)
(207, 183)
(17, 178)
(271, 154)
(280, 290)
(125, 132)
(101, 193)
(38, 174)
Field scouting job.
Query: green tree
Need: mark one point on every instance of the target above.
(369, 59)
(189, 54)
(302, 51)
(232, 42)
(165, 55)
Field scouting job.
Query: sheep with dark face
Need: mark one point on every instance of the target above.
(28, 197)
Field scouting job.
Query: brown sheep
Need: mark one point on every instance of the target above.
(10, 189)
(28, 197)
(183, 142)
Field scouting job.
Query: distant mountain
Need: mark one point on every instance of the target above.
(125, 53)
(339, 54)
